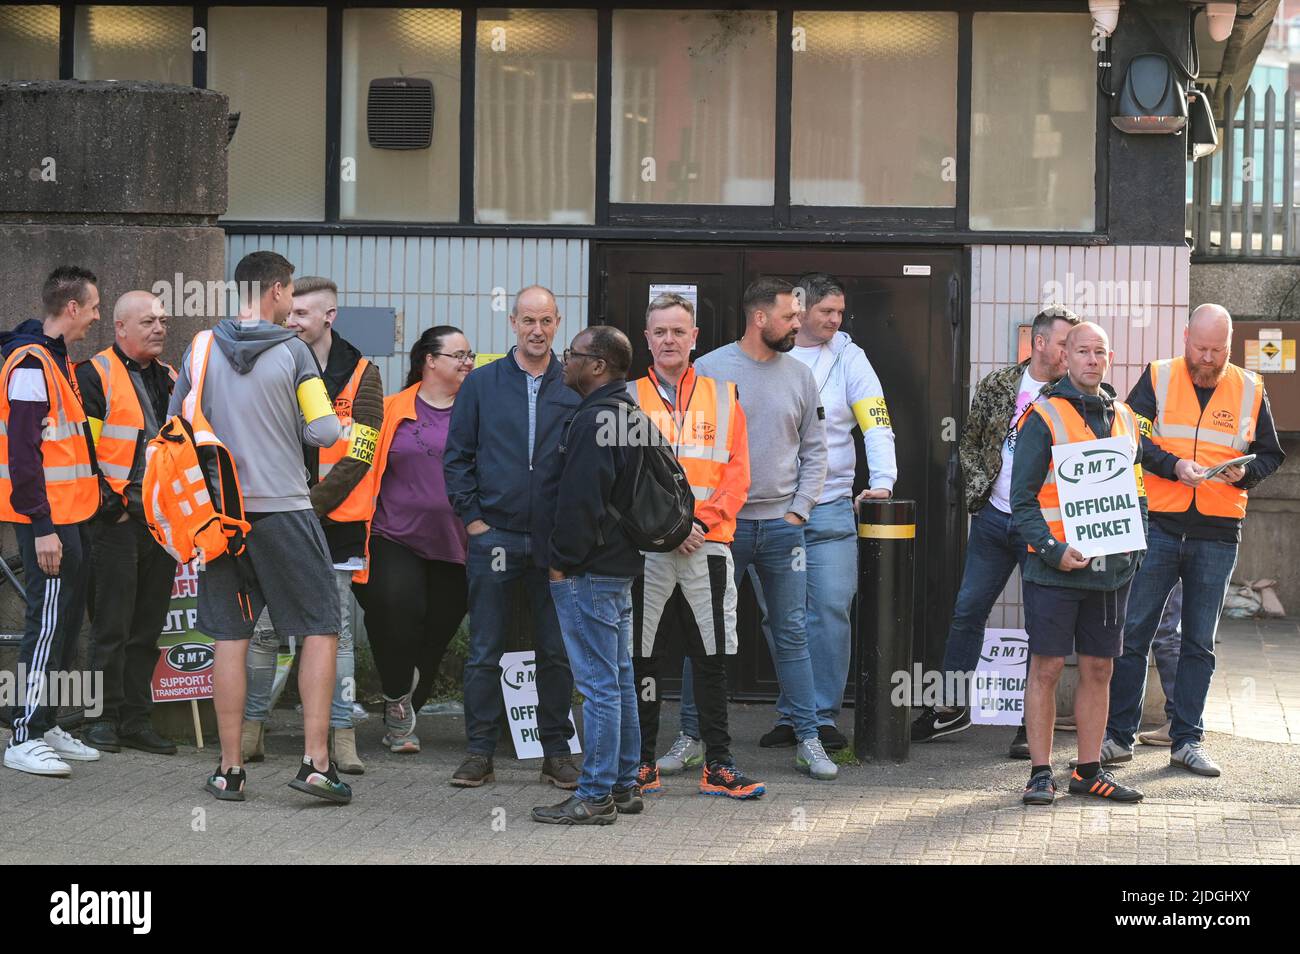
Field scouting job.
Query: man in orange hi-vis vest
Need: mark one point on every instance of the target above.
(1072, 604)
(1197, 412)
(703, 420)
(125, 389)
(48, 491)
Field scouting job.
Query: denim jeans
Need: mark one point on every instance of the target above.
(595, 614)
(1168, 644)
(993, 549)
(264, 647)
(497, 561)
(1205, 567)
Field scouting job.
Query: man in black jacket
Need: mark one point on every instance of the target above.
(505, 431)
(592, 567)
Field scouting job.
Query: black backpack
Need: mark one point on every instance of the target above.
(651, 499)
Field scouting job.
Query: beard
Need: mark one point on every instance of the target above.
(1206, 376)
(781, 345)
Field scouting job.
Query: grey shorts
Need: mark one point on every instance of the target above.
(295, 582)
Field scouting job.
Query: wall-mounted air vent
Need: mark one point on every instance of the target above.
(399, 113)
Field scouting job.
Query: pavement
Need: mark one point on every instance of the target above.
(954, 801)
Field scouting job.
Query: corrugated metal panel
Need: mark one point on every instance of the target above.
(433, 281)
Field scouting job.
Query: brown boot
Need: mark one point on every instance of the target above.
(252, 741)
(344, 751)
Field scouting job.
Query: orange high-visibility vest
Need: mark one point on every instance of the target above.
(701, 426)
(398, 407)
(119, 437)
(1224, 430)
(70, 482)
(1067, 427)
(359, 504)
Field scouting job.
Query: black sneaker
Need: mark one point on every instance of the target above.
(781, 737)
(628, 801)
(1105, 785)
(932, 724)
(326, 784)
(647, 779)
(1019, 745)
(574, 811)
(722, 779)
(228, 786)
(833, 739)
(1041, 790)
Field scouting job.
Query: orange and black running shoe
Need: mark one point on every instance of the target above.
(647, 779)
(1105, 785)
(722, 779)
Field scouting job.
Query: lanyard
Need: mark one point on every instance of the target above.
(679, 418)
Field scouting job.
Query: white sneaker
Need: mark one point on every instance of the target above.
(74, 750)
(811, 758)
(36, 758)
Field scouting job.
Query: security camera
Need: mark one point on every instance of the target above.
(1219, 19)
(1105, 15)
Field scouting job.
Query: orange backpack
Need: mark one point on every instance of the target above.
(192, 502)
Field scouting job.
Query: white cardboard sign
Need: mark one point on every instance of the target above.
(998, 685)
(519, 690)
(1097, 486)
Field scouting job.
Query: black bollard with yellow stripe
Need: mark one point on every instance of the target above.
(886, 559)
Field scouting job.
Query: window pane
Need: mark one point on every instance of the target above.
(694, 107)
(874, 110)
(270, 61)
(134, 43)
(1033, 122)
(420, 185)
(29, 42)
(535, 116)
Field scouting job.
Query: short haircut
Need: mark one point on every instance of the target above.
(666, 300)
(762, 294)
(514, 308)
(310, 284)
(64, 284)
(818, 285)
(610, 344)
(264, 268)
(1049, 316)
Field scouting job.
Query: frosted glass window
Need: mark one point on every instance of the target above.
(694, 107)
(29, 42)
(415, 185)
(134, 43)
(270, 61)
(1033, 122)
(535, 117)
(874, 110)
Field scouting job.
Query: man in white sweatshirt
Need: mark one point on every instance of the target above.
(851, 394)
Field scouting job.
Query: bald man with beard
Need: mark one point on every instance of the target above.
(125, 389)
(1196, 411)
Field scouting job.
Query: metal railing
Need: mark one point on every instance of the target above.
(1254, 169)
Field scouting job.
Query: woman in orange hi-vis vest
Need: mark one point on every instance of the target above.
(48, 491)
(415, 592)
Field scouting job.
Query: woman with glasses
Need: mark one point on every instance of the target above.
(415, 594)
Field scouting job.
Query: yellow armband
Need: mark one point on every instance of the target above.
(1142, 484)
(871, 412)
(364, 442)
(96, 428)
(314, 400)
(1144, 425)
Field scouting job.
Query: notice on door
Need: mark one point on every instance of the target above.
(1097, 485)
(1270, 353)
(690, 292)
(998, 685)
(519, 689)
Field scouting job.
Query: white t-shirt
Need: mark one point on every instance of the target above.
(1029, 388)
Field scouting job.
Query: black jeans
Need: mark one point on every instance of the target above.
(710, 680)
(56, 606)
(413, 608)
(130, 594)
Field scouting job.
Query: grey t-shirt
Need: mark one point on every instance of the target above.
(787, 433)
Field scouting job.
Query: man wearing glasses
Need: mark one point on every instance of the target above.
(505, 432)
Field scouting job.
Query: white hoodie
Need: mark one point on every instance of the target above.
(851, 394)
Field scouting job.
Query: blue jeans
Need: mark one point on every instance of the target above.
(780, 556)
(264, 647)
(595, 614)
(1168, 645)
(1205, 567)
(497, 560)
(993, 549)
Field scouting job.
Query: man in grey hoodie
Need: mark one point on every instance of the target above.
(264, 397)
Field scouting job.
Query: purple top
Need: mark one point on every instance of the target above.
(413, 507)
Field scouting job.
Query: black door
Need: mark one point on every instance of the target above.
(903, 309)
